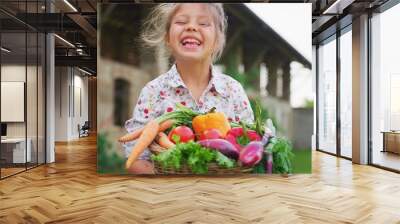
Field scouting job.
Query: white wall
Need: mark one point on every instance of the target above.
(79, 117)
(33, 127)
(12, 73)
(71, 87)
(61, 103)
(16, 73)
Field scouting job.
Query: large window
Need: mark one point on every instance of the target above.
(327, 96)
(334, 106)
(346, 93)
(385, 88)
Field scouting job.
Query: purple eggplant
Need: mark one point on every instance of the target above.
(252, 153)
(222, 145)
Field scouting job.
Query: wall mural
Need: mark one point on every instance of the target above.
(179, 92)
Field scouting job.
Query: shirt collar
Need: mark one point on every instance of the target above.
(176, 81)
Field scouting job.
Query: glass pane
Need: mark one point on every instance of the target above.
(41, 99)
(346, 94)
(327, 96)
(31, 85)
(386, 89)
(31, 97)
(13, 87)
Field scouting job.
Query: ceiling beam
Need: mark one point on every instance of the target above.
(83, 61)
(337, 6)
(84, 24)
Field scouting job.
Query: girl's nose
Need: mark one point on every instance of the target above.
(191, 27)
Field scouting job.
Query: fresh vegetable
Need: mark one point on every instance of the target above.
(212, 133)
(181, 115)
(237, 131)
(150, 131)
(171, 158)
(269, 163)
(194, 155)
(211, 120)
(253, 136)
(238, 139)
(232, 139)
(182, 133)
(135, 134)
(259, 124)
(222, 146)
(164, 141)
(281, 150)
(224, 161)
(131, 136)
(252, 153)
(261, 166)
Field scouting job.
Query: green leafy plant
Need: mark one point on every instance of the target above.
(244, 139)
(171, 158)
(108, 161)
(262, 112)
(260, 167)
(194, 155)
(258, 118)
(282, 152)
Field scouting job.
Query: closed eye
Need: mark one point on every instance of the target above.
(180, 22)
(204, 24)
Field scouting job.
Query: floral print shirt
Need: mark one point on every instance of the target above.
(161, 95)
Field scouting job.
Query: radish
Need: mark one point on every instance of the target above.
(212, 133)
(253, 136)
(183, 133)
(232, 139)
(237, 131)
(222, 145)
(233, 135)
(252, 153)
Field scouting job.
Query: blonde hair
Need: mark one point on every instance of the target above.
(158, 23)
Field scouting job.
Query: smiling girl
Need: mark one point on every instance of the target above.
(194, 34)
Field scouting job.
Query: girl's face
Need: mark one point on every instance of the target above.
(192, 34)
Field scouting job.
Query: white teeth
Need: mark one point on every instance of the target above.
(190, 41)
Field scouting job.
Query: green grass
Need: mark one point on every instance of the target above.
(301, 161)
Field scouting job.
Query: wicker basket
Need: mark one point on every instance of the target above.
(213, 168)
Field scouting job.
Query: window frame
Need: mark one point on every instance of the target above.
(333, 37)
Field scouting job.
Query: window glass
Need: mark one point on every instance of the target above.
(327, 96)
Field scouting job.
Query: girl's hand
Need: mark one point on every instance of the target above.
(141, 167)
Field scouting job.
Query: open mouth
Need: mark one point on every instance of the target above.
(190, 43)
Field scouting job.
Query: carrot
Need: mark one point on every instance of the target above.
(165, 125)
(150, 131)
(136, 133)
(163, 140)
(131, 136)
